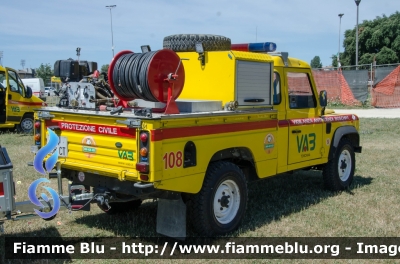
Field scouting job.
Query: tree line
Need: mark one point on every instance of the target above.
(45, 71)
(378, 40)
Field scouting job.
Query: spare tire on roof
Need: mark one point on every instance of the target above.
(186, 42)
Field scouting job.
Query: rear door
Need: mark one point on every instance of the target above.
(96, 144)
(305, 125)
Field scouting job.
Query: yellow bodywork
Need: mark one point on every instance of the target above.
(13, 98)
(264, 134)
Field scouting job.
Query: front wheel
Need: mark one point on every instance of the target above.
(338, 173)
(221, 203)
(26, 124)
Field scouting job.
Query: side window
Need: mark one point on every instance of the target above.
(3, 83)
(300, 91)
(277, 89)
(15, 83)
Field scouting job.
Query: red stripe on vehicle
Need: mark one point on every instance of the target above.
(283, 123)
(94, 128)
(169, 133)
(317, 120)
(25, 103)
(305, 121)
(340, 118)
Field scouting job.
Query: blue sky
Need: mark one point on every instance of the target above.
(46, 31)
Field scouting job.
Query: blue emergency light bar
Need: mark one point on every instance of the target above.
(255, 47)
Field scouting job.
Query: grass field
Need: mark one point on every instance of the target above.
(294, 205)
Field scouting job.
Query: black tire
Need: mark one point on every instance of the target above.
(335, 178)
(26, 124)
(186, 42)
(118, 208)
(221, 178)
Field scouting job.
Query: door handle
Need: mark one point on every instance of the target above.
(296, 131)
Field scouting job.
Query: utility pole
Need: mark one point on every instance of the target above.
(112, 34)
(78, 53)
(338, 55)
(357, 3)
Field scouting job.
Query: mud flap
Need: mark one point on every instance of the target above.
(171, 218)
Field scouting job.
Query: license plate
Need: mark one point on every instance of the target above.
(62, 147)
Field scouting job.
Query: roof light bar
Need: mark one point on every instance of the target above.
(255, 47)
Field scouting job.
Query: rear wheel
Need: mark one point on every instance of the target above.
(221, 203)
(117, 208)
(26, 124)
(338, 173)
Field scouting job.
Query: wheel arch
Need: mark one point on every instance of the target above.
(28, 114)
(241, 156)
(25, 115)
(349, 132)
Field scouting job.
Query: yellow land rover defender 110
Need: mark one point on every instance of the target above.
(191, 125)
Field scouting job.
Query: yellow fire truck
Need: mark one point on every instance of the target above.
(16, 102)
(191, 125)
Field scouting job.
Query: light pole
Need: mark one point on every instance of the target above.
(1, 57)
(112, 37)
(338, 55)
(78, 53)
(357, 3)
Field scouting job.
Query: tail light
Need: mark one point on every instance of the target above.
(144, 177)
(143, 152)
(38, 135)
(144, 137)
(1, 189)
(144, 160)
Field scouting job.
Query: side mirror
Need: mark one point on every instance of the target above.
(323, 98)
(28, 92)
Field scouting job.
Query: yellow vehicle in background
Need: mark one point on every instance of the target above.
(17, 103)
(190, 125)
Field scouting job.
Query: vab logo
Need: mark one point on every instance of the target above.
(306, 142)
(50, 147)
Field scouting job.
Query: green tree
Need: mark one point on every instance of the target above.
(378, 38)
(45, 72)
(104, 68)
(334, 61)
(386, 56)
(316, 62)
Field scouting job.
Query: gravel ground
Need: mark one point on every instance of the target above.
(375, 113)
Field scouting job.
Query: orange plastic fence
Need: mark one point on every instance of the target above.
(329, 81)
(346, 95)
(386, 93)
(336, 85)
